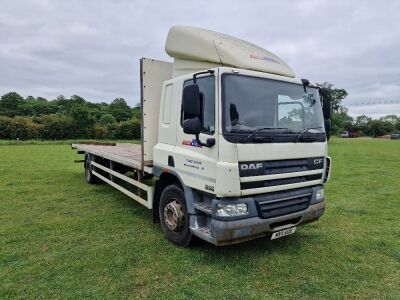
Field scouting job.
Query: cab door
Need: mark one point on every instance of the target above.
(196, 163)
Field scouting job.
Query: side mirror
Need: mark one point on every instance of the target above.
(192, 126)
(327, 124)
(326, 104)
(192, 113)
(191, 101)
(326, 107)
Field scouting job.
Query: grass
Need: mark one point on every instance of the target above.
(63, 238)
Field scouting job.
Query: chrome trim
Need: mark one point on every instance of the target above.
(280, 176)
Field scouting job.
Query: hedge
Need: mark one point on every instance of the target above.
(60, 127)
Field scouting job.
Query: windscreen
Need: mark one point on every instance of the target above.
(251, 103)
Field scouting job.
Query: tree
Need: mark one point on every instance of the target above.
(127, 130)
(37, 107)
(10, 104)
(107, 119)
(83, 119)
(377, 128)
(75, 99)
(23, 128)
(120, 110)
(62, 104)
(362, 123)
(337, 96)
(392, 119)
(5, 127)
(388, 123)
(56, 127)
(340, 118)
(341, 121)
(137, 111)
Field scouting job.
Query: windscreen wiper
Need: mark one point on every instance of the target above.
(301, 133)
(259, 130)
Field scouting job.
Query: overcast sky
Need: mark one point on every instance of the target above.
(92, 47)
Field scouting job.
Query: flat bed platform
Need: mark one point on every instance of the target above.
(126, 154)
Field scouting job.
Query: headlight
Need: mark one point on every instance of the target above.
(231, 210)
(319, 195)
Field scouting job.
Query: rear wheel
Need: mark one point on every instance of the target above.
(90, 178)
(174, 217)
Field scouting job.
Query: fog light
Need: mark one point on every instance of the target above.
(319, 195)
(231, 210)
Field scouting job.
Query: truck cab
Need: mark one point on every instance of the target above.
(248, 149)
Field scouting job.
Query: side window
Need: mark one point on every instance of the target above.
(207, 88)
(167, 104)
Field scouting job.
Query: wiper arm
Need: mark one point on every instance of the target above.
(301, 133)
(259, 130)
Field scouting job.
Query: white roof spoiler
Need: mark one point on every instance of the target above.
(192, 44)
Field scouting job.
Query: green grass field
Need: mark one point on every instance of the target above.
(63, 238)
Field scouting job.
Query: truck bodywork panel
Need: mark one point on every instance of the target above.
(153, 74)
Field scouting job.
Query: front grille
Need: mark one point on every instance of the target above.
(280, 172)
(272, 167)
(283, 203)
(275, 182)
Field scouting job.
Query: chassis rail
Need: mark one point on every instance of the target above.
(105, 163)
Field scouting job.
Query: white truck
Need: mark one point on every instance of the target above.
(233, 146)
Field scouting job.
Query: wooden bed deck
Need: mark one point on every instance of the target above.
(127, 154)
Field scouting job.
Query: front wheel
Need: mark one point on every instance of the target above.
(174, 217)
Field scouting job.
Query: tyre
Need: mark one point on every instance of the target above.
(174, 217)
(90, 178)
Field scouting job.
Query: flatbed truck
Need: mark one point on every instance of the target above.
(233, 146)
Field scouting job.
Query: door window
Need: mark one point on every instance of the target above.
(207, 88)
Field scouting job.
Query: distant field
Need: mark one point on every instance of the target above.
(63, 238)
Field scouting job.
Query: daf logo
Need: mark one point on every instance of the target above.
(318, 161)
(251, 166)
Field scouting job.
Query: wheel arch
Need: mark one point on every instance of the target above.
(165, 179)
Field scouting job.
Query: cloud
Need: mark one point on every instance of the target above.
(92, 48)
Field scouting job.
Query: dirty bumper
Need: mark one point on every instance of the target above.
(236, 231)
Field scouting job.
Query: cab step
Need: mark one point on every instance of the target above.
(203, 207)
(203, 233)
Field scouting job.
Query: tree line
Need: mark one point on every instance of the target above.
(63, 118)
(74, 118)
(364, 125)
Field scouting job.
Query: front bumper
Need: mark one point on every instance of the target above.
(226, 232)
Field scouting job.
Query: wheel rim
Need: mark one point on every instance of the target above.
(174, 217)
